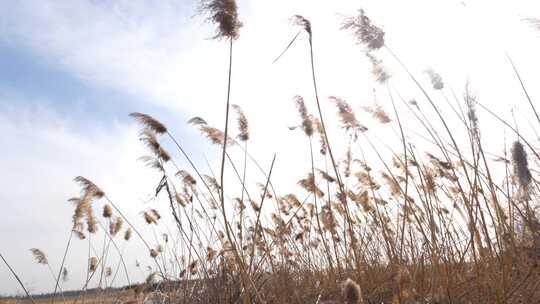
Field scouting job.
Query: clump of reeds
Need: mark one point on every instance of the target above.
(430, 222)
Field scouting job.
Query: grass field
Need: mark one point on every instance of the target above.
(406, 222)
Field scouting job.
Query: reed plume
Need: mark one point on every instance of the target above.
(326, 176)
(223, 13)
(39, 256)
(320, 131)
(83, 204)
(127, 234)
(149, 122)
(242, 123)
(186, 177)
(155, 214)
(65, 277)
(347, 116)
(304, 23)
(365, 32)
(116, 226)
(379, 72)
(351, 292)
(307, 124)
(378, 113)
(148, 137)
(149, 218)
(107, 211)
(436, 79)
(89, 188)
(521, 165)
(309, 185)
(215, 135)
(93, 263)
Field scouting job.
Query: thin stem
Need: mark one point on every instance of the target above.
(62, 264)
(17, 278)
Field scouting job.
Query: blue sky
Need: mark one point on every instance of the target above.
(71, 71)
(32, 77)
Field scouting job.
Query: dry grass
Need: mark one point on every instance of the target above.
(449, 224)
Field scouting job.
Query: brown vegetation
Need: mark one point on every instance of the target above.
(431, 226)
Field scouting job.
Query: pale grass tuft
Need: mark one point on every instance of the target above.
(302, 22)
(107, 211)
(521, 165)
(347, 116)
(307, 124)
(309, 185)
(65, 277)
(127, 234)
(92, 264)
(149, 122)
(224, 13)
(365, 32)
(379, 72)
(436, 79)
(39, 256)
(242, 123)
(351, 292)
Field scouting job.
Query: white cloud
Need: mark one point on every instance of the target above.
(42, 153)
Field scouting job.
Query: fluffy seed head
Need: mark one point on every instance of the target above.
(39, 256)
(436, 79)
(309, 185)
(223, 13)
(148, 137)
(303, 22)
(80, 235)
(347, 116)
(186, 177)
(107, 211)
(365, 32)
(127, 234)
(351, 292)
(93, 263)
(155, 214)
(115, 227)
(89, 188)
(215, 135)
(378, 113)
(91, 221)
(149, 218)
(212, 183)
(149, 122)
(242, 123)
(322, 139)
(379, 72)
(521, 166)
(65, 274)
(307, 124)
